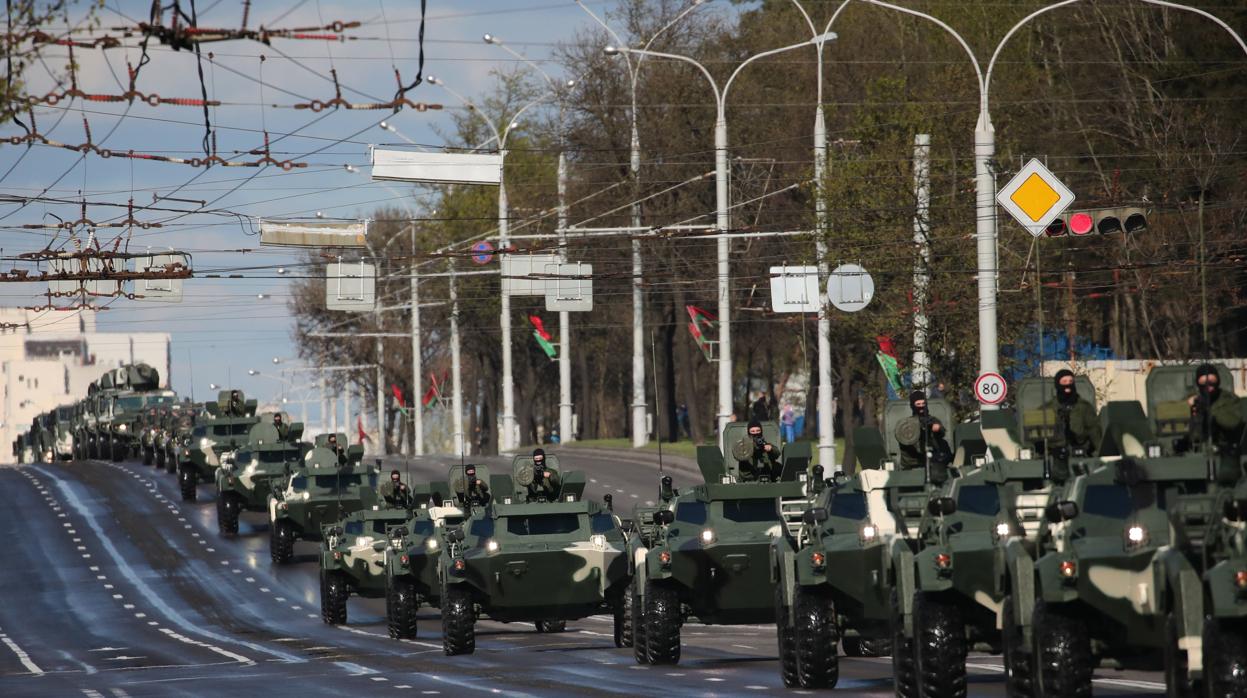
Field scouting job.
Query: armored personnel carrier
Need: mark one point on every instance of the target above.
(707, 553)
(411, 565)
(534, 553)
(1143, 562)
(353, 556)
(331, 483)
(222, 427)
(246, 477)
(174, 436)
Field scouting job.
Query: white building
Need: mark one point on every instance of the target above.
(49, 358)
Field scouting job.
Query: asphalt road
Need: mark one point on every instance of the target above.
(114, 587)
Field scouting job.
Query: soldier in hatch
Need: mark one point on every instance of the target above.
(476, 492)
(395, 492)
(1216, 416)
(763, 464)
(283, 429)
(235, 406)
(923, 439)
(1077, 431)
(546, 483)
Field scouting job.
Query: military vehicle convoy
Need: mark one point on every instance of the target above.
(537, 552)
(411, 564)
(222, 427)
(330, 483)
(707, 553)
(246, 477)
(353, 557)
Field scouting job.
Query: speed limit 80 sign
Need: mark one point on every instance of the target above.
(990, 389)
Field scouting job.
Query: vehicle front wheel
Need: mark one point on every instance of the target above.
(640, 649)
(171, 463)
(1062, 653)
(818, 665)
(903, 671)
(1225, 657)
(940, 647)
(623, 620)
(662, 624)
(281, 542)
(402, 603)
(187, 481)
(334, 591)
(149, 456)
(458, 622)
(786, 638)
(1019, 672)
(227, 506)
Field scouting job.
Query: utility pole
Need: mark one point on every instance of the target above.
(324, 405)
(565, 333)
(922, 264)
(456, 381)
(417, 368)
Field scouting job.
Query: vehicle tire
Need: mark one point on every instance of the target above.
(1225, 657)
(401, 606)
(149, 456)
(227, 507)
(816, 634)
(551, 626)
(281, 542)
(1177, 676)
(334, 591)
(159, 455)
(786, 638)
(458, 622)
(1019, 672)
(1062, 654)
(623, 620)
(187, 481)
(940, 647)
(640, 647)
(171, 463)
(903, 671)
(662, 624)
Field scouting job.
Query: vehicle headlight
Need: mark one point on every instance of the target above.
(205, 442)
(491, 546)
(707, 536)
(1002, 530)
(868, 532)
(432, 544)
(1136, 535)
(121, 427)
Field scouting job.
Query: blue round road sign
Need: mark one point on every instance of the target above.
(484, 252)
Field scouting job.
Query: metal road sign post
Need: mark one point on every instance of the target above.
(1035, 197)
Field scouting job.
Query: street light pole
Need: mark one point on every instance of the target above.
(722, 205)
(456, 381)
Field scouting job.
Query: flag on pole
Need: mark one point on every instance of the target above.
(543, 338)
(891, 367)
(398, 396)
(434, 393)
(703, 321)
(363, 436)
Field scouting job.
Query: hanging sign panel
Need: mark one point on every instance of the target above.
(437, 168)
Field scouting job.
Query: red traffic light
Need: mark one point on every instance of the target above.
(1081, 223)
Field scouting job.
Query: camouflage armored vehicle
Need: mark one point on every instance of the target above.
(864, 528)
(708, 554)
(411, 565)
(1143, 562)
(63, 432)
(246, 477)
(130, 391)
(149, 430)
(329, 484)
(222, 427)
(353, 557)
(528, 557)
(174, 436)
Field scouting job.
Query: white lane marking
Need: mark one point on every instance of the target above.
(21, 654)
(155, 599)
(355, 669)
(119, 693)
(223, 652)
(379, 678)
(744, 647)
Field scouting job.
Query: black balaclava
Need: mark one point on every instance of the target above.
(395, 476)
(1065, 394)
(470, 472)
(1209, 389)
(914, 397)
(539, 452)
(753, 423)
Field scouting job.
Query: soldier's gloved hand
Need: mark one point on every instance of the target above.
(936, 427)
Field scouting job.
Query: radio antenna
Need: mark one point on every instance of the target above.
(653, 354)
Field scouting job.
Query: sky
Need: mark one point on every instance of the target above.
(226, 326)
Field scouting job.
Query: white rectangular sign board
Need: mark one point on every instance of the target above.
(572, 290)
(159, 290)
(441, 168)
(518, 270)
(351, 287)
(314, 233)
(795, 290)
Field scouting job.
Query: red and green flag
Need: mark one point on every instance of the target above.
(544, 340)
(889, 363)
(434, 393)
(703, 322)
(398, 398)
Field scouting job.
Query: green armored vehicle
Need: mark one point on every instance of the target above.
(1144, 560)
(353, 557)
(330, 483)
(411, 566)
(222, 427)
(174, 437)
(134, 389)
(246, 477)
(708, 554)
(538, 552)
(864, 529)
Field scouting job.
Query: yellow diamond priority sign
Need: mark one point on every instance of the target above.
(1035, 197)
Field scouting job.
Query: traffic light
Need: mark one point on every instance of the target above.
(1099, 221)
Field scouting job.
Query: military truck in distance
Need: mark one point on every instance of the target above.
(353, 556)
(1144, 561)
(544, 562)
(175, 433)
(707, 554)
(331, 483)
(411, 567)
(222, 427)
(134, 388)
(246, 477)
